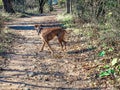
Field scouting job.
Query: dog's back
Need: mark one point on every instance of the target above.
(50, 33)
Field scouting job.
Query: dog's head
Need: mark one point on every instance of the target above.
(38, 28)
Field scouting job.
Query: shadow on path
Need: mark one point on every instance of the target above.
(49, 87)
(21, 27)
(31, 27)
(81, 51)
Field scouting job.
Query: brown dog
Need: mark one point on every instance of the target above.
(48, 34)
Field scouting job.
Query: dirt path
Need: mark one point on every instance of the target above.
(30, 69)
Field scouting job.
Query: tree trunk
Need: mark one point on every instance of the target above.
(68, 6)
(71, 6)
(41, 9)
(41, 5)
(50, 5)
(101, 9)
(8, 6)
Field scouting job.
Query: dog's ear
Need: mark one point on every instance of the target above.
(36, 25)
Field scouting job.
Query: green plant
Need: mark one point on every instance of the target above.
(1, 2)
(102, 53)
(66, 19)
(6, 16)
(107, 73)
(111, 68)
(61, 3)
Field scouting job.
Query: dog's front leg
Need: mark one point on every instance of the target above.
(49, 46)
(42, 46)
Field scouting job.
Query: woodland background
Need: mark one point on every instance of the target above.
(97, 21)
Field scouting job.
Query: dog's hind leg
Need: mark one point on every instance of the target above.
(60, 44)
(64, 43)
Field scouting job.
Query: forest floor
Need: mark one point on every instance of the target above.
(30, 69)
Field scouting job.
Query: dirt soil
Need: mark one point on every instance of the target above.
(30, 69)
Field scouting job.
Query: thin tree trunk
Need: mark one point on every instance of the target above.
(71, 6)
(41, 9)
(50, 5)
(8, 6)
(68, 6)
(41, 5)
(101, 9)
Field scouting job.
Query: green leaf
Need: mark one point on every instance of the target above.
(107, 72)
(110, 49)
(1, 51)
(119, 67)
(102, 53)
(114, 61)
(106, 66)
(110, 71)
(102, 74)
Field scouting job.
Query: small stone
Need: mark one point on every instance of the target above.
(31, 74)
(34, 67)
(10, 84)
(47, 79)
(27, 88)
(23, 85)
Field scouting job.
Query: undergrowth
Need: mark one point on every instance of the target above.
(67, 20)
(6, 40)
(106, 38)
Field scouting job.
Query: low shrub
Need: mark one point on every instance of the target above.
(67, 20)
